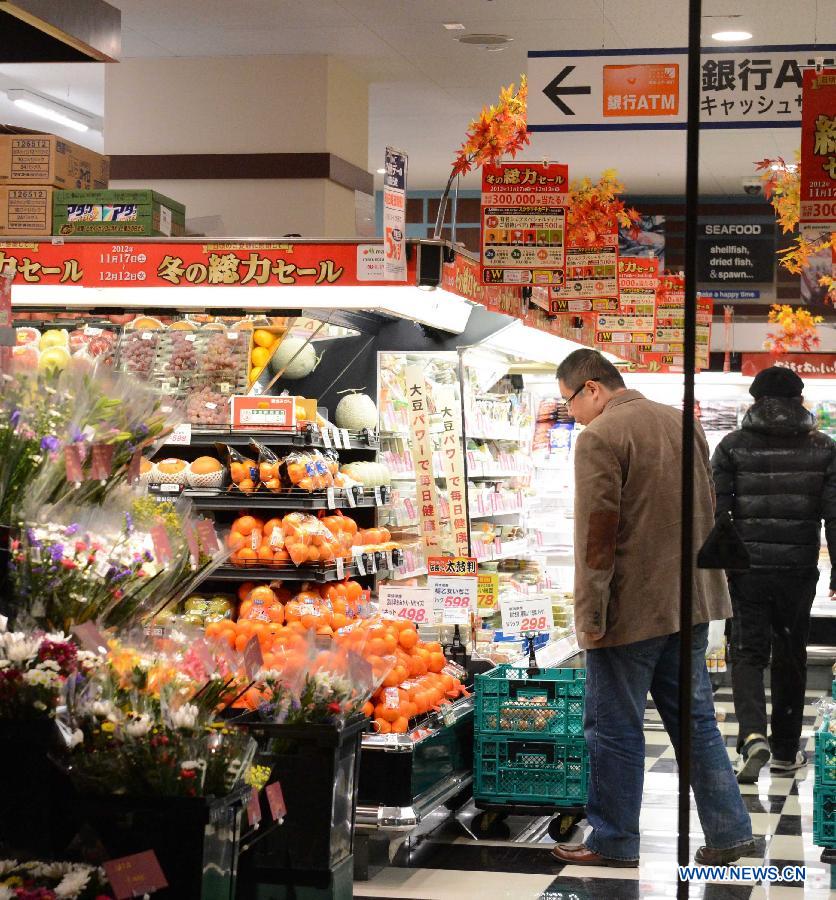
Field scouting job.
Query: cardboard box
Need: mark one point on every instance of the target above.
(26, 211)
(118, 213)
(29, 157)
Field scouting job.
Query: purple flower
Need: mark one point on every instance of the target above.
(143, 429)
(14, 419)
(50, 443)
(76, 436)
(70, 530)
(32, 537)
(129, 522)
(56, 551)
(148, 556)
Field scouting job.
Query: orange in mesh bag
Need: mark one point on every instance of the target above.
(308, 541)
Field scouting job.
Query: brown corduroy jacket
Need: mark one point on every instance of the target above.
(628, 524)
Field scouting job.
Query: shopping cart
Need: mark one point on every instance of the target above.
(530, 756)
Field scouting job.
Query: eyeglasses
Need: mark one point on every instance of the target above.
(568, 401)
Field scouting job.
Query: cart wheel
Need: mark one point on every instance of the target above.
(490, 825)
(457, 802)
(561, 826)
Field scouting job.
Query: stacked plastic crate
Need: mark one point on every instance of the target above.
(824, 788)
(529, 747)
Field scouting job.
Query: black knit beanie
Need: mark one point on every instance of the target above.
(776, 381)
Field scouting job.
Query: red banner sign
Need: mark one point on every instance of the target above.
(213, 264)
(806, 365)
(818, 150)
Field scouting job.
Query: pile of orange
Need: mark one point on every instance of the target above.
(302, 539)
(415, 685)
(243, 474)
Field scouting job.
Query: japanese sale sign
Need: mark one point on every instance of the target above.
(756, 87)
(818, 151)
(394, 215)
(524, 223)
(638, 280)
(185, 264)
(591, 271)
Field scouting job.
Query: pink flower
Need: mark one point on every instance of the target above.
(68, 564)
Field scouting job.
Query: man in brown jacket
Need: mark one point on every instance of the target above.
(627, 585)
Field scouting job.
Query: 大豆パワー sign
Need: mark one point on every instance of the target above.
(523, 226)
(641, 89)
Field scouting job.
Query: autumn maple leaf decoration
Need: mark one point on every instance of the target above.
(595, 208)
(797, 330)
(501, 130)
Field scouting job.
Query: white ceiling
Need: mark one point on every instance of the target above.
(425, 86)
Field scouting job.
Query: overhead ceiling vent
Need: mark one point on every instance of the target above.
(486, 41)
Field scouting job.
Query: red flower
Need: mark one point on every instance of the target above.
(334, 707)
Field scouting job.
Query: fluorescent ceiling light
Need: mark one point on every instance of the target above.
(381, 171)
(732, 36)
(453, 26)
(50, 109)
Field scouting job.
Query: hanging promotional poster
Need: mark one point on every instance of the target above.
(523, 223)
(818, 153)
(638, 281)
(422, 455)
(591, 271)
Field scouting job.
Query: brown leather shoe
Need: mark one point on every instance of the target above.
(581, 855)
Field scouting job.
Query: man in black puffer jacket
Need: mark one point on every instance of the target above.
(777, 476)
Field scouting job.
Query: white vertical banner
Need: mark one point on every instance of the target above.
(394, 215)
(448, 405)
(422, 456)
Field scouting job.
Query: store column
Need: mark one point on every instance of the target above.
(253, 146)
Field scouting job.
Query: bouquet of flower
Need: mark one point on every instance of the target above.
(75, 435)
(34, 669)
(36, 880)
(144, 726)
(111, 564)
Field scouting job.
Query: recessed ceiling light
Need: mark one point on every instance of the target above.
(486, 41)
(453, 26)
(381, 171)
(732, 36)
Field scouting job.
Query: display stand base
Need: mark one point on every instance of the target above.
(333, 884)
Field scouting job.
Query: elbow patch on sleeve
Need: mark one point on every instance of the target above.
(600, 540)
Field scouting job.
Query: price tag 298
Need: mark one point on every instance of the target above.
(532, 616)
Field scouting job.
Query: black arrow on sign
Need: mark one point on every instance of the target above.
(554, 90)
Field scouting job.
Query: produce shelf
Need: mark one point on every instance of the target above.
(319, 574)
(305, 437)
(286, 500)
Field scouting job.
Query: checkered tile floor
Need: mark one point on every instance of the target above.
(452, 862)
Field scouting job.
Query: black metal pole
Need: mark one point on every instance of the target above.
(687, 568)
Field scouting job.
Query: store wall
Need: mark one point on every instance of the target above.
(197, 129)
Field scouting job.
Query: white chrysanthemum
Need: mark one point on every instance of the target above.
(42, 678)
(184, 717)
(138, 726)
(19, 648)
(75, 738)
(49, 664)
(102, 709)
(73, 883)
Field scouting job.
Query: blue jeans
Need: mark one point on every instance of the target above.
(618, 680)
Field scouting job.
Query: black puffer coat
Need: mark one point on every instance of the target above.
(777, 475)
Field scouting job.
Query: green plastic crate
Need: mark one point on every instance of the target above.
(825, 756)
(824, 816)
(548, 705)
(513, 771)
